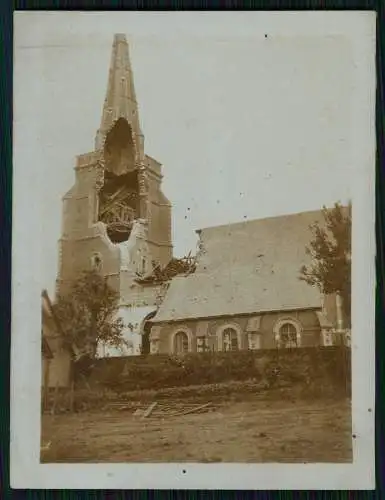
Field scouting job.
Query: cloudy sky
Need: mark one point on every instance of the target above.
(248, 123)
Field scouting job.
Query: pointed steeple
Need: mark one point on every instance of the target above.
(120, 101)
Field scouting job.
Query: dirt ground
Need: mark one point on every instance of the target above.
(250, 431)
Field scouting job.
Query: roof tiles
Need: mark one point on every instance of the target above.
(245, 268)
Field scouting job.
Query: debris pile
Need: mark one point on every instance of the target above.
(162, 410)
(176, 267)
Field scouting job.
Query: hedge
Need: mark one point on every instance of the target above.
(329, 365)
(300, 373)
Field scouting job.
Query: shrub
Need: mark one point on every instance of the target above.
(304, 373)
(296, 366)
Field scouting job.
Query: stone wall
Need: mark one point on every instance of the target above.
(77, 254)
(159, 228)
(56, 371)
(83, 235)
(59, 369)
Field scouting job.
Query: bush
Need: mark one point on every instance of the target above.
(297, 373)
(297, 366)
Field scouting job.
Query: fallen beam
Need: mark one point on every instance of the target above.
(192, 410)
(149, 410)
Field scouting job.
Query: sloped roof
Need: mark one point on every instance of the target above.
(47, 309)
(244, 268)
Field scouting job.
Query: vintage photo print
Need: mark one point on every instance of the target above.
(193, 250)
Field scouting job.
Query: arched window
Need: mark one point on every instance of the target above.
(287, 332)
(288, 335)
(230, 339)
(180, 342)
(145, 330)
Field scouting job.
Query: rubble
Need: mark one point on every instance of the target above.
(176, 267)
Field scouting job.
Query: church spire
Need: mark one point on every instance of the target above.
(120, 101)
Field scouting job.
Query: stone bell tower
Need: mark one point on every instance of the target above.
(116, 217)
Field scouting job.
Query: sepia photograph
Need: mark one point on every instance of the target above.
(197, 195)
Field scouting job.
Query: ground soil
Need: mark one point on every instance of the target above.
(286, 431)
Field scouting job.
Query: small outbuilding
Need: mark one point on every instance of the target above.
(56, 356)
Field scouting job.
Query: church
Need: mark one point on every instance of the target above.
(243, 291)
(246, 293)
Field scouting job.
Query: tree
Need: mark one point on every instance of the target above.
(87, 316)
(330, 251)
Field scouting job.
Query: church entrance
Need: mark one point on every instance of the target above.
(146, 330)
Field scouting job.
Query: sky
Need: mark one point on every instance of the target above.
(246, 124)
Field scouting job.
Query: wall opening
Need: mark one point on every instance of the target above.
(119, 204)
(146, 330)
(119, 196)
(119, 149)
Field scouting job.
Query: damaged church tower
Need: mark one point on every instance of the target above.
(116, 217)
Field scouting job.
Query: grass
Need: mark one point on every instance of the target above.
(241, 431)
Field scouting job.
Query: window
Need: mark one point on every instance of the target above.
(230, 339)
(180, 343)
(288, 335)
(202, 344)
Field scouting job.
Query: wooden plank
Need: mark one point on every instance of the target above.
(111, 199)
(192, 410)
(149, 410)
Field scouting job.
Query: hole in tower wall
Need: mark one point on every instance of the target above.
(119, 196)
(119, 150)
(119, 204)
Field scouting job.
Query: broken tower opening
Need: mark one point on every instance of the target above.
(119, 149)
(119, 196)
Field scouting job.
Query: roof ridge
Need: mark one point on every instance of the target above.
(269, 218)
